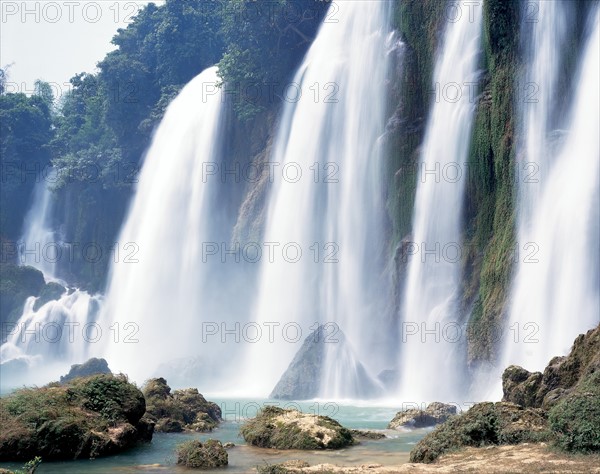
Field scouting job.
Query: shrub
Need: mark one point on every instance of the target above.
(575, 421)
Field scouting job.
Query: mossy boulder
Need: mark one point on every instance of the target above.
(197, 455)
(434, 414)
(181, 410)
(92, 366)
(484, 424)
(278, 428)
(86, 418)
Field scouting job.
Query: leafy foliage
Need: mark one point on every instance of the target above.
(576, 422)
(264, 44)
(25, 131)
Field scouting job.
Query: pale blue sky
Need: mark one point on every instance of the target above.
(54, 40)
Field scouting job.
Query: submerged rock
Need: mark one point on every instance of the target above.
(367, 434)
(197, 455)
(277, 428)
(303, 378)
(434, 414)
(181, 410)
(93, 366)
(85, 418)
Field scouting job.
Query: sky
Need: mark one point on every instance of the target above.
(54, 40)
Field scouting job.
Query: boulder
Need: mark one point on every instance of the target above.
(197, 455)
(434, 414)
(303, 378)
(85, 418)
(182, 410)
(92, 367)
(277, 428)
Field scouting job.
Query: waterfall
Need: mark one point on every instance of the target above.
(50, 336)
(555, 292)
(39, 242)
(159, 297)
(328, 224)
(431, 349)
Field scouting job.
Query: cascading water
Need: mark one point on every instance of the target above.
(432, 291)
(333, 213)
(158, 298)
(48, 337)
(39, 242)
(555, 292)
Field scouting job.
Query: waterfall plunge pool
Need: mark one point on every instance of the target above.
(159, 455)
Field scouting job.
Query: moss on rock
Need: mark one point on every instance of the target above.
(87, 418)
(277, 428)
(484, 424)
(197, 455)
(181, 410)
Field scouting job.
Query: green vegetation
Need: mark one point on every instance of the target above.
(197, 455)
(86, 418)
(277, 428)
(419, 23)
(485, 424)
(96, 133)
(264, 45)
(25, 132)
(569, 389)
(490, 205)
(561, 406)
(576, 422)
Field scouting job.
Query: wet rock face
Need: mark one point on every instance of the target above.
(434, 414)
(302, 379)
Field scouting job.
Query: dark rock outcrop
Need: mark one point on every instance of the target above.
(92, 366)
(562, 376)
(181, 410)
(277, 428)
(434, 414)
(86, 418)
(562, 405)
